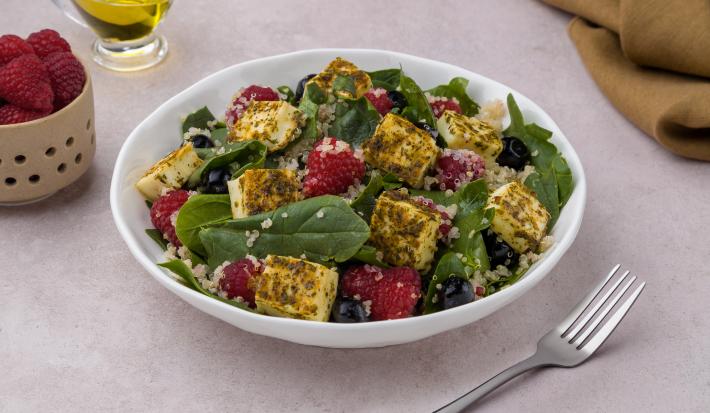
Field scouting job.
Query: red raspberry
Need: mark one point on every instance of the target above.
(332, 168)
(445, 226)
(393, 293)
(164, 212)
(456, 167)
(24, 82)
(379, 99)
(441, 104)
(46, 42)
(67, 77)
(243, 97)
(238, 279)
(12, 114)
(12, 46)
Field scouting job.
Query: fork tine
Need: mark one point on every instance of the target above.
(582, 305)
(585, 320)
(595, 342)
(588, 330)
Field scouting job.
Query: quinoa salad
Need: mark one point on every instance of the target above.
(359, 196)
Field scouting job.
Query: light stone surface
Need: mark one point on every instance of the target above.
(84, 328)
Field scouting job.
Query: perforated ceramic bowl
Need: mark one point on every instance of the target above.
(40, 157)
(159, 134)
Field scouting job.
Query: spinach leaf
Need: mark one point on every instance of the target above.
(322, 228)
(391, 181)
(219, 138)
(239, 156)
(387, 79)
(469, 197)
(457, 89)
(449, 265)
(368, 255)
(418, 108)
(290, 96)
(552, 179)
(148, 203)
(181, 269)
(365, 202)
(355, 121)
(157, 236)
(197, 119)
(198, 212)
(344, 86)
(309, 107)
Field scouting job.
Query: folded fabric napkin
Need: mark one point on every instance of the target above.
(652, 60)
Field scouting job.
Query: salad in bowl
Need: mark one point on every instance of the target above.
(355, 196)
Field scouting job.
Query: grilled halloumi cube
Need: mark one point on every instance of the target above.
(262, 190)
(404, 230)
(520, 219)
(463, 132)
(295, 288)
(341, 67)
(170, 172)
(399, 147)
(274, 123)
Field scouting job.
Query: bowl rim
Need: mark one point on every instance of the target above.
(531, 278)
(51, 116)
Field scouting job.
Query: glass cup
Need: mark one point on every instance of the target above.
(125, 30)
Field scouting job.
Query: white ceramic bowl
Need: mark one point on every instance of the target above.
(159, 134)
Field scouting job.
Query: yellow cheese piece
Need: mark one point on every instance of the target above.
(170, 172)
(274, 123)
(262, 190)
(341, 67)
(463, 132)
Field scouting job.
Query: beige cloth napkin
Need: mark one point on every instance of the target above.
(652, 60)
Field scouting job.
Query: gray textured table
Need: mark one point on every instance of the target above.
(83, 327)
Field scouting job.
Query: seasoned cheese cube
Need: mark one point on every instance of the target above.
(294, 288)
(463, 132)
(262, 190)
(520, 219)
(170, 172)
(405, 231)
(274, 123)
(341, 67)
(399, 147)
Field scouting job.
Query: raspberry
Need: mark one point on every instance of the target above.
(332, 168)
(237, 279)
(12, 46)
(379, 99)
(456, 167)
(46, 42)
(439, 105)
(243, 97)
(164, 212)
(445, 226)
(393, 293)
(24, 82)
(67, 77)
(12, 114)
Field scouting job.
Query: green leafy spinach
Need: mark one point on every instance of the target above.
(355, 121)
(387, 79)
(198, 212)
(239, 156)
(418, 108)
(457, 89)
(198, 119)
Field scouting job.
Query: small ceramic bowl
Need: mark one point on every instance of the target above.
(40, 157)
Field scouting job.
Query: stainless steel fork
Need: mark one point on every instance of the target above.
(572, 342)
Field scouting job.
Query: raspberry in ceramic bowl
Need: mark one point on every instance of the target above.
(47, 138)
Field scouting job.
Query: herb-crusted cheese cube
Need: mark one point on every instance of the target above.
(399, 147)
(274, 123)
(170, 172)
(463, 132)
(405, 231)
(262, 190)
(295, 288)
(341, 67)
(520, 219)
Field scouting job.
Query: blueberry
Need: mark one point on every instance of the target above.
(432, 131)
(455, 292)
(201, 141)
(348, 310)
(301, 88)
(515, 154)
(398, 99)
(215, 182)
(499, 252)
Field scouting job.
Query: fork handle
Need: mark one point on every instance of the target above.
(490, 385)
